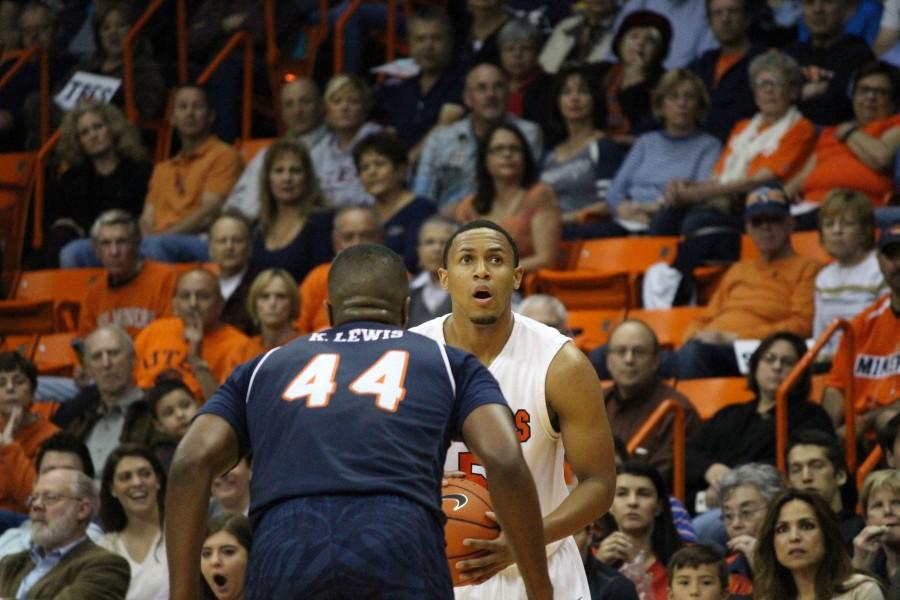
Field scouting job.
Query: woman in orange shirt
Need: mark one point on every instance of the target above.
(859, 154)
(770, 147)
(510, 195)
(22, 431)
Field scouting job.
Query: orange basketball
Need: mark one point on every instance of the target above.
(465, 502)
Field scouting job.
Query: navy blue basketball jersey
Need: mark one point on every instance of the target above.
(363, 408)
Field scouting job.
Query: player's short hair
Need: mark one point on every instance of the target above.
(692, 557)
(13, 361)
(366, 265)
(66, 442)
(483, 224)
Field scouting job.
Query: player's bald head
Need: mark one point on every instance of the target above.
(368, 282)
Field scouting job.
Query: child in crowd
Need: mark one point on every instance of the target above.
(173, 406)
(698, 573)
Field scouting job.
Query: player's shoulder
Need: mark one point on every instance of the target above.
(433, 329)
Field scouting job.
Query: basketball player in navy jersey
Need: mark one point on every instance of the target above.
(556, 399)
(348, 430)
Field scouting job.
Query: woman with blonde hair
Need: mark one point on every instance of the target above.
(107, 168)
(294, 223)
(348, 101)
(273, 304)
(877, 547)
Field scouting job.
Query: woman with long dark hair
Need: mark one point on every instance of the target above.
(224, 557)
(800, 554)
(132, 508)
(742, 433)
(509, 194)
(646, 536)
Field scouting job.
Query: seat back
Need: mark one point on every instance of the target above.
(807, 243)
(16, 181)
(632, 254)
(710, 395)
(585, 290)
(24, 344)
(591, 328)
(54, 354)
(668, 324)
(251, 147)
(27, 316)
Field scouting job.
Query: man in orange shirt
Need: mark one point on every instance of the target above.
(194, 343)
(352, 225)
(188, 190)
(876, 356)
(756, 297)
(135, 291)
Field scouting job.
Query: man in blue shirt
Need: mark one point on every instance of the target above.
(348, 430)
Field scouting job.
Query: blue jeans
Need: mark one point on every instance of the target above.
(169, 248)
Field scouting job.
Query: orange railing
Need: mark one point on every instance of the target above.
(241, 37)
(781, 399)
(341, 24)
(40, 183)
(22, 57)
(868, 465)
(649, 427)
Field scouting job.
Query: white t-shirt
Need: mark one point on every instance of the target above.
(843, 292)
(890, 18)
(149, 579)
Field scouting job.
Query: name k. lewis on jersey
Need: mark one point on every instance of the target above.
(869, 366)
(357, 335)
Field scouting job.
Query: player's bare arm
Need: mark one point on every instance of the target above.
(208, 449)
(575, 403)
(490, 433)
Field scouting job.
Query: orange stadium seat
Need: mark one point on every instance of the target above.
(807, 244)
(709, 395)
(54, 354)
(669, 324)
(27, 316)
(66, 287)
(591, 328)
(16, 179)
(23, 344)
(252, 147)
(597, 279)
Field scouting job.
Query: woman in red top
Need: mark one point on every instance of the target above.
(510, 195)
(859, 154)
(647, 537)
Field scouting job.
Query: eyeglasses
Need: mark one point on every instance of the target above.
(743, 514)
(767, 84)
(878, 92)
(637, 352)
(47, 499)
(505, 149)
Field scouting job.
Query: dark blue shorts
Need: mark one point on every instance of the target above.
(335, 547)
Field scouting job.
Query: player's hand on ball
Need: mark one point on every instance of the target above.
(448, 475)
(497, 557)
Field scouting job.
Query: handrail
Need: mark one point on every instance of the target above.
(339, 34)
(868, 465)
(241, 37)
(24, 56)
(781, 400)
(678, 458)
(128, 58)
(272, 52)
(390, 42)
(40, 182)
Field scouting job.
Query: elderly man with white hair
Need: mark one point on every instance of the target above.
(62, 562)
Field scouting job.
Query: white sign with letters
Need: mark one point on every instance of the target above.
(87, 86)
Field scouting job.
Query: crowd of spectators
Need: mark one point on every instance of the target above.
(703, 119)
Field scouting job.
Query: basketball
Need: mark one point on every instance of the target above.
(465, 502)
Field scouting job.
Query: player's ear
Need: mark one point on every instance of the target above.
(404, 312)
(518, 274)
(442, 275)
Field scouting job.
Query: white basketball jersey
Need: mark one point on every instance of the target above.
(521, 369)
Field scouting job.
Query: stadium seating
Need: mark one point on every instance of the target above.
(54, 354)
(669, 324)
(710, 395)
(24, 317)
(66, 287)
(591, 328)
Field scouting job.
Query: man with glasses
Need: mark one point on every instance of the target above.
(446, 171)
(62, 563)
(633, 357)
(756, 297)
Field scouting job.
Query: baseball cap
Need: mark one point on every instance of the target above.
(768, 199)
(890, 234)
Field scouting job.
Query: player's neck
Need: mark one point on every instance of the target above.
(486, 342)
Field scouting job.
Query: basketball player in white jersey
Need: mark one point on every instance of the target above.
(555, 396)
